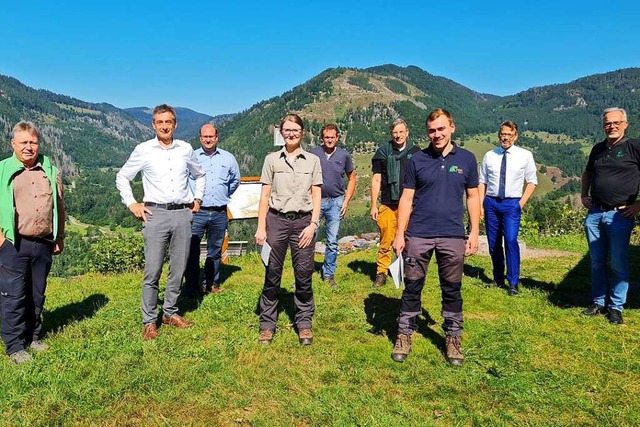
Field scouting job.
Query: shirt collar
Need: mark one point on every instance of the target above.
(302, 153)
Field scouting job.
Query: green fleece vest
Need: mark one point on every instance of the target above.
(8, 170)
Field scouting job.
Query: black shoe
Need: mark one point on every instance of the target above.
(593, 310)
(615, 317)
(513, 291)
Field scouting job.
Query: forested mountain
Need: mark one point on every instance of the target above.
(362, 103)
(75, 133)
(189, 121)
(573, 108)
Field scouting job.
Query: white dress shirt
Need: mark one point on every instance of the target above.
(520, 168)
(165, 173)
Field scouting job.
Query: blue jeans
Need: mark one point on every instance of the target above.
(608, 235)
(330, 210)
(215, 224)
(502, 220)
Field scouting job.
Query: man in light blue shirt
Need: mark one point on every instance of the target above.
(223, 178)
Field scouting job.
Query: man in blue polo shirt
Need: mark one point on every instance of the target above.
(335, 163)
(435, 183)
(223, 178)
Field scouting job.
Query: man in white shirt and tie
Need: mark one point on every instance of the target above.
(503, 173)
(167, 208)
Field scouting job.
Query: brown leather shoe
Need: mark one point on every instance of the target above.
(216, 289)
(177, 321)
(150, 332)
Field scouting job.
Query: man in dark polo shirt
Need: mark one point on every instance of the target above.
(435, 184)
(388, 166)
(336, 162)
(31, 230)
(610, 190)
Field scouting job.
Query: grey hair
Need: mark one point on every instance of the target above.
(24, 125)
(612, 109)
(397, 122)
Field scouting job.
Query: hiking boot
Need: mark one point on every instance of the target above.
(381, 280)
(454, 351)
(38, 345)
(305, 336)
(513, 291)
(20, 357)
(402, 348)
(593, 310)
(265, 336)
(331, 281)
(615, 317)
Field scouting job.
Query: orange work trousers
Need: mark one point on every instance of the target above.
(387, 223)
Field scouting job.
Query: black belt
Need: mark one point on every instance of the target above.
(214, 208)
(503, 198)
(289, 215)
(169, 206)
(606, 207)
(46, 239)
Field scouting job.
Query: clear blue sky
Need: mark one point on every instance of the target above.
(220, 57)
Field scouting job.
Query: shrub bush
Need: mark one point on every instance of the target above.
(117, 254)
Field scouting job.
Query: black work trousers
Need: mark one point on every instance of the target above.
(283, 232)
(24, 268)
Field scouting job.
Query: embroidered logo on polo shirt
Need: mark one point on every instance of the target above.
(619, 154)
(456, 169)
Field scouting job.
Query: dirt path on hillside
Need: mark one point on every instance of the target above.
(525, 253)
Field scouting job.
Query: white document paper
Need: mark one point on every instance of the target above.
(397, 271)
(265, 252)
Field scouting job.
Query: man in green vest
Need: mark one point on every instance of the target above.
(31, 230)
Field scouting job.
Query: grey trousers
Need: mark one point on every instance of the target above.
(283, 233)
(450, 258)
(164, 227)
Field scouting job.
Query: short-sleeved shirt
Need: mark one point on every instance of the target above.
(380, 166)
(614, 172)
(440, 184)
(521, 168)
(334, 168)
(291, 182)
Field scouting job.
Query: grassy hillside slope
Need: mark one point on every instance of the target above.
(530, 360)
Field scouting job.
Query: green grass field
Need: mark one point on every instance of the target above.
(530, 360)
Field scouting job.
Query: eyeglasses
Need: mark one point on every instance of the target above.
(506, 135)
(613, 124)
(208, 136)
(292, 131)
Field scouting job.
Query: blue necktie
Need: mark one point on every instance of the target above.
(503, 175)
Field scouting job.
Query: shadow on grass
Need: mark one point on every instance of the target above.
(285, 303)
(477, 273)
(60, 317)
(363, 267)
(191, 301)
(575, 288)
(382, 313)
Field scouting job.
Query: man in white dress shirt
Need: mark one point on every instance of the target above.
(502, 176)
(166, 210)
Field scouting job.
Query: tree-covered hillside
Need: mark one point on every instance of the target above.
(75, 133)
(573, 108)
